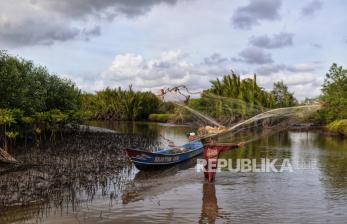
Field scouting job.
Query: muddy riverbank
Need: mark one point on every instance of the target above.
(77, 161)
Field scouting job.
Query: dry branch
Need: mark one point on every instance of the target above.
(5, 157)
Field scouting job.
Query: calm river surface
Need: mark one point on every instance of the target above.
(315, 192)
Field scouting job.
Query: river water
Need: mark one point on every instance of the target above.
(314, 192)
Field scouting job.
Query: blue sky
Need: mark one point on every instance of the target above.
(162, 43)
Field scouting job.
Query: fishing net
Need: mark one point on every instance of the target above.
(176, 94)
(229, 117)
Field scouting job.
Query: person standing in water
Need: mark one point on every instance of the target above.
(212, 150)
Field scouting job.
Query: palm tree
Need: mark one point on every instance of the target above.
(233, 98)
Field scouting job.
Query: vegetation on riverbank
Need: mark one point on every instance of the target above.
(35, 103)
(232, 99)
(334, 98)
(338, 126)
(334, 95)
(120, 104)
(161, 117)
(82, 161)
(33, 89)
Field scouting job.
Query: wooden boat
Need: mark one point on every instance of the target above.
(145, 160)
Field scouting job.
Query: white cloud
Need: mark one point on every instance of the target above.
(170, 69)
(303, 67)
(173, 68)
(303, 84)
(294, 79)
(126, 66)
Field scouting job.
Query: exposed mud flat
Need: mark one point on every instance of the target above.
(53, 171)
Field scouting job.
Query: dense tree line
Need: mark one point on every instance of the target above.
(120, 104)
(33, 101)
(232, 98)
(246, 90)
(281, 96)
(33, 89)
(36, 102)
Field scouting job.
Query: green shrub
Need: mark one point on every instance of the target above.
(30, 88)
(339, 126)
(120, 104)
(334, 96)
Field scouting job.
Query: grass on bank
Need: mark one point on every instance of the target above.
(164, 118)
(338, 126)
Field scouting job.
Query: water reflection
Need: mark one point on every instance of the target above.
(333, 165)
(88, 179)
(270, 146)
(154, 182)
(160, 131)
(209, 209)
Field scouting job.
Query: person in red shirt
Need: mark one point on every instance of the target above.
(212, 150)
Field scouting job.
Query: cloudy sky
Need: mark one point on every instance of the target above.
(162, 43)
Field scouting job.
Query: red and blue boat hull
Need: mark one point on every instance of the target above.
(144, 160)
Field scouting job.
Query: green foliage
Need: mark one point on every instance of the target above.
(161, 117)
(32, 89)
(6, 117)
(78, 117)
(166, 108)
(232, 99)
(89, 102)
(119, 104)
(334, 94)
(246, 90)
(282, 97)
(56, 116)
(27, 120)
(339, 126)
(35, 101)
(6, 120)
(14, 123)
(11, 134)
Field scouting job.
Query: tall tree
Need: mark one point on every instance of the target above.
(231, 98)
(335, 94)
(282, 97)
(32, 88)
